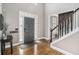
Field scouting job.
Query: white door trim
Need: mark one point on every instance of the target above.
(21, 25)
(49, 23)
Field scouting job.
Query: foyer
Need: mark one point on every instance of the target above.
(39, 28)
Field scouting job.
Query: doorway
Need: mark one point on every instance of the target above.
(28, 27)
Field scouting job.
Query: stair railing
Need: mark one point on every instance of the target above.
(65, 26)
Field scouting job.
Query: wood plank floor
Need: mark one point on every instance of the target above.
(41, 49)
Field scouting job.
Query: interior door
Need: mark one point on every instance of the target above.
(28, 30)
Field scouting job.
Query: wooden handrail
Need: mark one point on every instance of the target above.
(76, 10)
(54, 28)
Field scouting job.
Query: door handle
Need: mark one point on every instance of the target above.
(24, 28)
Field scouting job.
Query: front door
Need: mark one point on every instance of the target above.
(28, 30)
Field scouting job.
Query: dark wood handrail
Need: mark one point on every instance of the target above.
(76, 10)
(54, 27)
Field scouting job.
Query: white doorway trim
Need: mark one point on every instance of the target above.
(49, 23)
(21, 25)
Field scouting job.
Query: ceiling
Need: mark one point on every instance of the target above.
(61, 7)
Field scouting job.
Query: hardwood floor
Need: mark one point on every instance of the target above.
(41, 49)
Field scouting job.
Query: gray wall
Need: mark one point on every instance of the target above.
(11, 14)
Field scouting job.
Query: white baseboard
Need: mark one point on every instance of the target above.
(61, 50)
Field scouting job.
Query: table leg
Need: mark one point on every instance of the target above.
(1, 48)
(4, 46)
(11, 47)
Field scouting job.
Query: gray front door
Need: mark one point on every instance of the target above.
(28, 30)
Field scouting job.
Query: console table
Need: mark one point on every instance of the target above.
(9, 39)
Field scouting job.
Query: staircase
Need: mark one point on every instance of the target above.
(65, 36)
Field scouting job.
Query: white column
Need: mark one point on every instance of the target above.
(21, 28)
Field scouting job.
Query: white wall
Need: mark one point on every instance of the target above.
(11, 13)
(56, 8)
